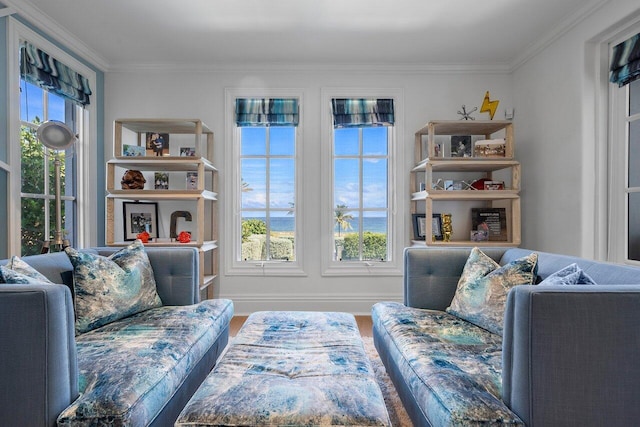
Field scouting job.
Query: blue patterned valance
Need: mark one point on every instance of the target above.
(267, 112)
(38, 68)
(362, 112)
(625, 61)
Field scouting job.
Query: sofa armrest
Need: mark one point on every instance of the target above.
(38, 359)
(176, 270)
(570, 355)
(431, 274)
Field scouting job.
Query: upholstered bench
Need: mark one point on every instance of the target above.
(291, 368)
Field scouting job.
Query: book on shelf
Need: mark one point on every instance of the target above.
(489, 224)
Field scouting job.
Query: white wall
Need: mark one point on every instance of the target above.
(560, 136)
(200, 94)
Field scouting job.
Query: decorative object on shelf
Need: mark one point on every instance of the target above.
(157, 144)
(184, 237)
(494, 185)
(192, 180)
(143, 237)
(447, 227)
(140, 217)
(56, 136)
(174, 221)
(419, 227)
(461, 146)
(489, 106)
(133, 150)
(187, 152)
(161, 181)
(436, 227)
(438, 185)
(133, 180)
(491, 220)
(466, 115)
(489, 148)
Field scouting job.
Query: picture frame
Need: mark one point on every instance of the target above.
(161, 181)
(139, 217)
(133, 150)
(157, 144)
(491, 221)
(461, 146)
(419, 226)
(187, 152)
(436, 227)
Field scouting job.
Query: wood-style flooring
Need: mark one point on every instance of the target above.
(364, 324)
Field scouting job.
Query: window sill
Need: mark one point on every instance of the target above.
(363, 268)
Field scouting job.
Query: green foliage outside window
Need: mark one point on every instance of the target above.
(33, 209)
(374, 246)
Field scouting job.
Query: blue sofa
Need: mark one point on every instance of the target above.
(569, 354)
(136, 371)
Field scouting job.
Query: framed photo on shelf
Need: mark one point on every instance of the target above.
(133, 150)
(161, 181)
(139, 217)
(419, 227)
(187, 151)
(157, 144)
(436, 226)
(491, 223)
(461, 146)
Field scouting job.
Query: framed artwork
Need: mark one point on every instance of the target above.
(187, 151)
(139, 217)
(133, 150)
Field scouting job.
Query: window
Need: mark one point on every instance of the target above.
(624, 152)
(50, 85)
(38, 180)
(363, 225)
(268, 206)
(264, 215)
(632, 167)
(360, 193)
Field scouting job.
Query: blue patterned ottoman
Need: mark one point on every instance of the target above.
(291, 369)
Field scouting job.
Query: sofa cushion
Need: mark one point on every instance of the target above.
(481, 294)
(110, 288)
(450, 365)
(130, 368)
(16, 271)
(569, 275)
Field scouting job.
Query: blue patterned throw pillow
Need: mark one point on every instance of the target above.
(482, 290)
(569, 275)
(111, 288)
(16, 271)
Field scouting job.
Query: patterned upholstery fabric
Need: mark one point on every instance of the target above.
(16, 271)
(130, 368)
(481, 294)
(453, 366)
(110, 288)
(569, 275)
(291, 368)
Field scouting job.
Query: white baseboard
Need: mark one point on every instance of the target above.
(355, 304)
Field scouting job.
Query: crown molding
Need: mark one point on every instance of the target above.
(561, 29)
(44, 23)
(6, 11)
(379, 68)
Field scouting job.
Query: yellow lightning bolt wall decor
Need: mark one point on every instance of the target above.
(489, 106)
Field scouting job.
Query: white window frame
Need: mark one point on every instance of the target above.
(232, 183)
(85, 149)
(396, 220)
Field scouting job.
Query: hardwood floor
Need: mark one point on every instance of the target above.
(364, 324)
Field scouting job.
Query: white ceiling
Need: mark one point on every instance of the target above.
(121, 34)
